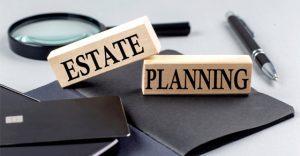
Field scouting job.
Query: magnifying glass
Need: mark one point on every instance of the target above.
(36, 36)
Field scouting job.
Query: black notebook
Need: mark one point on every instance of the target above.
(62, 120)
(188, 125)
(15, 98)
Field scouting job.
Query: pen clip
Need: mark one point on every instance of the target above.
(247, 28)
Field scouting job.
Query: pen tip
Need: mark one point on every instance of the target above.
(229, 13)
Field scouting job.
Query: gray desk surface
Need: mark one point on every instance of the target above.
(274, 22)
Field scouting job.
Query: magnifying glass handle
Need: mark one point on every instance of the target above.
(170, 29)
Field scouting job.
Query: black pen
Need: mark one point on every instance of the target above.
(247, 37)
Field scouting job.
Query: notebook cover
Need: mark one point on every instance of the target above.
(76, 149)
(139, 143)
(187, 125)
(62, 120)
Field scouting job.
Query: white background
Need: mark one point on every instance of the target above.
(276, 24)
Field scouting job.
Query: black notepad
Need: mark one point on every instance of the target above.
(188, 125)
(27, 121)
(78, 148)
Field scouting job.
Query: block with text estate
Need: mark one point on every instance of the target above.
(104, 51)
(197, 74)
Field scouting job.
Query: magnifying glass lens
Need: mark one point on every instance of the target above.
(36, 36)
(54, 31)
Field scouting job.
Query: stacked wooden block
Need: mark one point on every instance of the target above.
(162, 74)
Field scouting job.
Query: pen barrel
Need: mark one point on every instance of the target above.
(261, 59)
(242, 32)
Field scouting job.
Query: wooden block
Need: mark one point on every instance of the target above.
(197, 74)
(104, 51)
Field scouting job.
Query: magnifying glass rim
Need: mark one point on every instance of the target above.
(40, 52)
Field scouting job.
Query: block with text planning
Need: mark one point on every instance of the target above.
(197, 74)
(104, 51)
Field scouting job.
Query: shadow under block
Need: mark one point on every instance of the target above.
(104, 51)
(197, 74)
